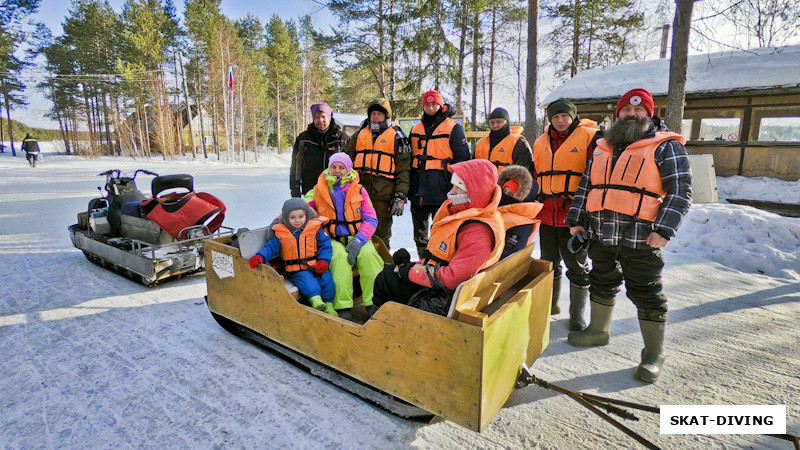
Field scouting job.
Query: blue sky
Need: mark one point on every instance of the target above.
(53, 12)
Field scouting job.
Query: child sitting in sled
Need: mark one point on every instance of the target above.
(306, 266)
(353, 220)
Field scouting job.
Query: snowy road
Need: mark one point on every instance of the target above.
(93, 360)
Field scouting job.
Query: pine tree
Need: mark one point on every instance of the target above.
(283, 71)
(592, 33)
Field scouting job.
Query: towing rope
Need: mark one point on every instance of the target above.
(592, 401)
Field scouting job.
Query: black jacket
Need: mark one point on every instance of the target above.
(30, 144)
(430, 187)
(310, 154)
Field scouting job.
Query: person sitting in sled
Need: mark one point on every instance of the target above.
(353, 221)
(306, 253)
(519, 207)
(467, 236)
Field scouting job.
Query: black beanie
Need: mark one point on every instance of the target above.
(499, 113)
(561, 106)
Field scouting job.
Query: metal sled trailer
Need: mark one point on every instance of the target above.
(462, 367)
(143, 261)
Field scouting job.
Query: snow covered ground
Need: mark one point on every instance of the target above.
(93, 360)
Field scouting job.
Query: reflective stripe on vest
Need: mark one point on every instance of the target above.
(434, 150)
(502, 153)
(299, 252)
(175, 212)
(442, 243)
(352, 205)
(560, 176)
(633, 185)
(375, 158)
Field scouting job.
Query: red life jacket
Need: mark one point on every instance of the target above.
(174, 212)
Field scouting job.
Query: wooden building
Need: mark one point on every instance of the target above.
(742, 107)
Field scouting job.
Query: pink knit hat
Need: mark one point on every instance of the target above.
(343, 158)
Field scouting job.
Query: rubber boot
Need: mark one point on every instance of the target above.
(329, 309)
(345, 313)
(597, 333)
(577, 303)
(653, 352)
(554, 308)
(317, 303)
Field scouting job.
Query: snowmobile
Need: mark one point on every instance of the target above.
(416, 364)
(149, 239)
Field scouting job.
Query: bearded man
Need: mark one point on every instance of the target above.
(631, 200)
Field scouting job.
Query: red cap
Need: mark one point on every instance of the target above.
(637, 97)
(432, 97)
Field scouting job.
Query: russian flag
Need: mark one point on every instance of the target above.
(230, 78)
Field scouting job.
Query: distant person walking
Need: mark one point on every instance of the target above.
(31, 147)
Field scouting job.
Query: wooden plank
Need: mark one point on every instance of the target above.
(489, 276)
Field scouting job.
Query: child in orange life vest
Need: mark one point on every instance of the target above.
(353, 221)
(306, 252)
(519, 207)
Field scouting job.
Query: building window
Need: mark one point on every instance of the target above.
(720, 129)
(686, 128)
(779, 129)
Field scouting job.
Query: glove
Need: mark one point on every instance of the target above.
(353, 248)
(578, 242)
(322, 267)
(397, 204)
(256, 260)
(403, 270)
(401, 257)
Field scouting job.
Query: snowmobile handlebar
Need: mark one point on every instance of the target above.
(115, 173)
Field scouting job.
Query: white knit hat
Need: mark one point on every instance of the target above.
(458, 182)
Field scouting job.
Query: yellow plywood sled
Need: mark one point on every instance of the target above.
(462, 367)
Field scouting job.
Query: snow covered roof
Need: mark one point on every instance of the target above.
(761, 68)
(349, 119)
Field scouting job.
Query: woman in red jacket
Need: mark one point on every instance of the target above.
(467, 236)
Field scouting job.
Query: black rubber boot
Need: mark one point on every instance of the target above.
(577, 303)
(653, 352)
(346, 313)
(597, 333)
(554, 308)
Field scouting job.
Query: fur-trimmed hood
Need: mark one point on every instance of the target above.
(523, 177)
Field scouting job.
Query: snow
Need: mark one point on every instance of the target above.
(93, 360)
(760, 68)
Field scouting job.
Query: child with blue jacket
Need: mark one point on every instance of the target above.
(306, 252)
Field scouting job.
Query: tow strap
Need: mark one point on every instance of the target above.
(613, 406)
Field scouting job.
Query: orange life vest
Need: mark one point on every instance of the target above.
(501, 154)
(560, 176)
(633, 185)
(375, 158)
(352, 205)
(432, 152)
(517, 214)
(442, 243)
(299, 252)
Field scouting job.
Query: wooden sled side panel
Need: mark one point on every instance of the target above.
(427, 360)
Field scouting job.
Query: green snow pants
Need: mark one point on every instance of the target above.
(369, 264)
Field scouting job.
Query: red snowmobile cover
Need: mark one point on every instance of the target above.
(176, 211)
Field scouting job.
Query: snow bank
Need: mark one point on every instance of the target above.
(741, 238)
(758, 188)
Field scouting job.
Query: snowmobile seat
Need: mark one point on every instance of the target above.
(164, 182)
(132, 209)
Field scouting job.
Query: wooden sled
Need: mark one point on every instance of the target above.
(462, 368)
